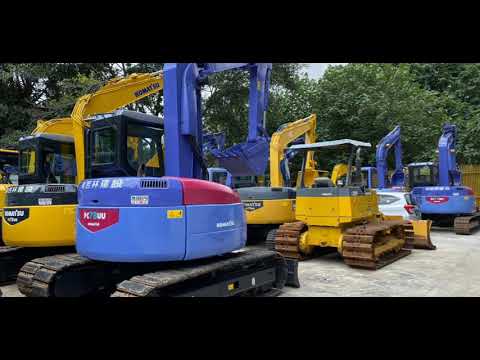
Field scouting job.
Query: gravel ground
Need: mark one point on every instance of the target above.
(451, 270)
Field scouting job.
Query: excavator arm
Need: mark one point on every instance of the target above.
(447, 161)
(392, 139)
(117, 93)
(282, 138)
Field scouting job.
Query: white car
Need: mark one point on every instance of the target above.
(395, 203)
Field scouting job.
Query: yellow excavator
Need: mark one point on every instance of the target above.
(40, 212)
(268, 207)
(344, 216)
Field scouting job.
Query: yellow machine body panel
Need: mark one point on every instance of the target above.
(327, 216)
(45, 226)
(269, 211)
(335, 210)
(323, 236)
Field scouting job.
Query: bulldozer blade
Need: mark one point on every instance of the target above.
(421, 230)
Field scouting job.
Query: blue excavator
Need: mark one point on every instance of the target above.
(437, 191)
(377, 177)
(177, 234)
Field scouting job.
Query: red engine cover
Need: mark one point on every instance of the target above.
(201, 192)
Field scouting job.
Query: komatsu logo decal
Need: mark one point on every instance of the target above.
(98, 219)
(14, 216)
(225, 224)
(147, 89)
(252, 205)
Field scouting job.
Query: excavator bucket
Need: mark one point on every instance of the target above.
(421, 230)
(245, 159)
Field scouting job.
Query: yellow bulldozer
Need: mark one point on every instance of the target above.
(344, 216)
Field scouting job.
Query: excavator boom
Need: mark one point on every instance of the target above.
(283, 137)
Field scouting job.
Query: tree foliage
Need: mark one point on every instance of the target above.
(358, 101)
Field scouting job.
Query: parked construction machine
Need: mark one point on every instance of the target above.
(437, 191)
(266, 208)
(345, 217)
(56, 157)
(174, 235)
(378, 178)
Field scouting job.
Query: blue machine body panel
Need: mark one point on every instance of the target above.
(157, 220)
(214, 230)
(454, 200)
(140, 235)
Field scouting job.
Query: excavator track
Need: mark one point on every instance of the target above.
(259, 272)
(72, 275)
(13, 258)
(466, 225)
(370, 245)
(375, 245)
(38, 277)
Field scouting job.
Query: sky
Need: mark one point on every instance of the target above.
(316, 70)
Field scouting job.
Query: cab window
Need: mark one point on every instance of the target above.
(144, 150)
(59, 165)
(423, 175)
(27, 162)
(104, 146)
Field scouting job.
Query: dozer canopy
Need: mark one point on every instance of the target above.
(330, 145)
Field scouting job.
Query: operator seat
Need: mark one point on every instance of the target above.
(323, 182)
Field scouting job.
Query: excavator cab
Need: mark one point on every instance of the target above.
(47, 158)
(126, 143)
(422, 174)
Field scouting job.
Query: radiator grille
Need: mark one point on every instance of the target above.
(154, 184)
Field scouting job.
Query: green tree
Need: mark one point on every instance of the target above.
(365, 102)
(458, 86)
